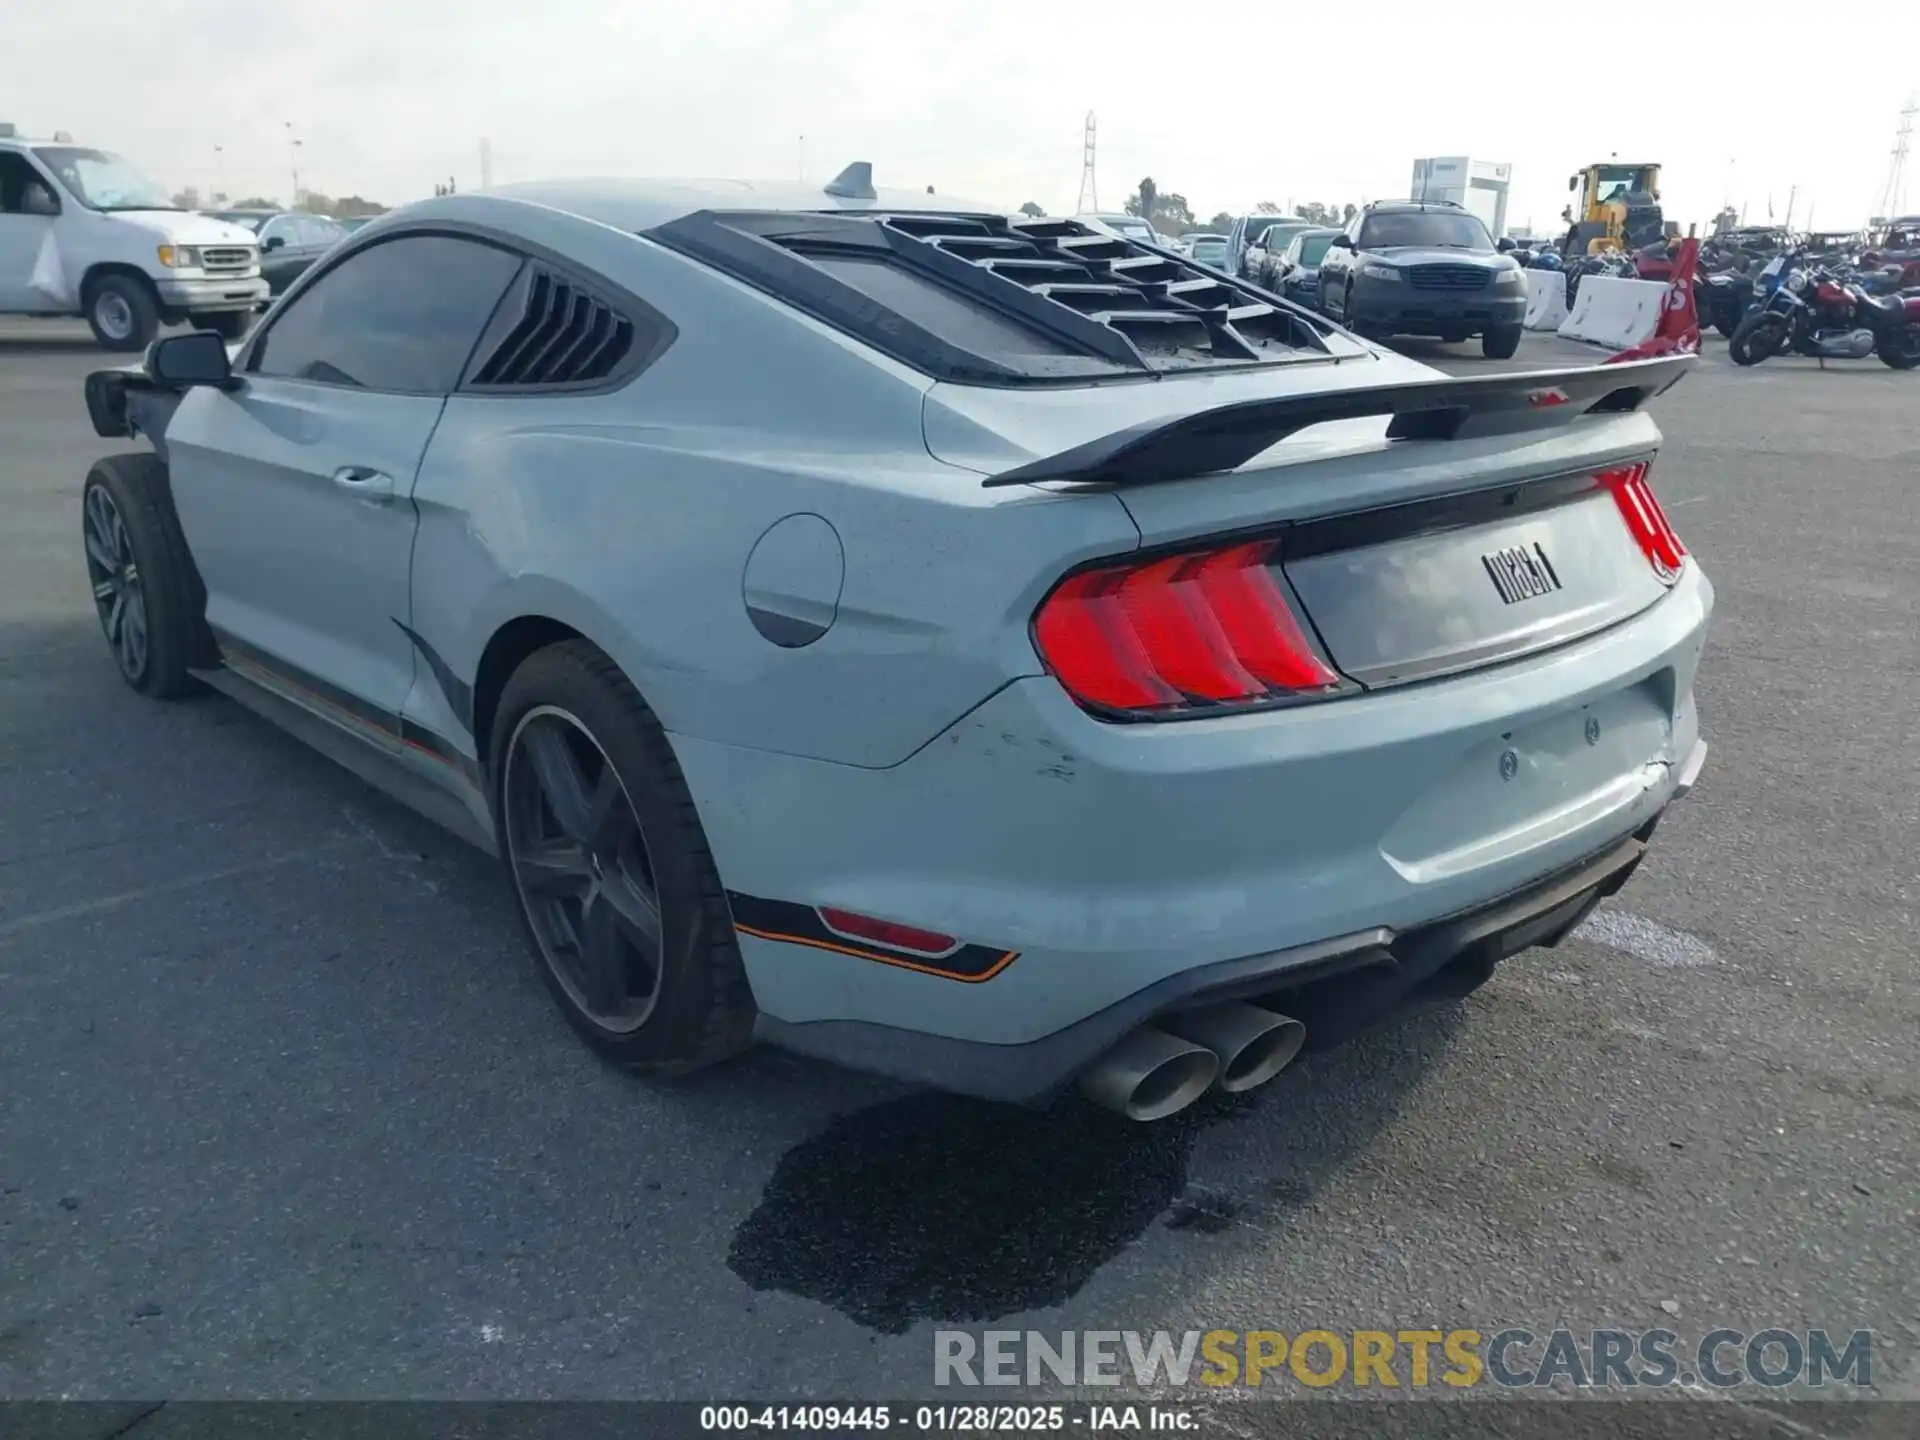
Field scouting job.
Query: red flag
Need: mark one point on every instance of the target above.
(1678, 332)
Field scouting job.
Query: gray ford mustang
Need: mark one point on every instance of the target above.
(981, 650)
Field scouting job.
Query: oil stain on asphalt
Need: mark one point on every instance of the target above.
(938, 1207)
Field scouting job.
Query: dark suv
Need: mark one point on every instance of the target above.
(1406, 267)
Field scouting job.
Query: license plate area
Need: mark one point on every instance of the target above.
(1504, 792)
(1438, 602)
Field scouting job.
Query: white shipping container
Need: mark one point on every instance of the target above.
(1473, 185)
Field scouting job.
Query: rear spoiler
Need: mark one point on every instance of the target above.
(1445, 409)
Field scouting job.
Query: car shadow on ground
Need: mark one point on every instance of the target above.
(956, 1211)
(14, 347)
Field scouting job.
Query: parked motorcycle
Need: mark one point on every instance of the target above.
(1722, 300)
(1613, 262)
(1811, 312)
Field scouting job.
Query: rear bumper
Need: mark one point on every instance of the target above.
(1328, 984)
(1127, 868)
(207, 296)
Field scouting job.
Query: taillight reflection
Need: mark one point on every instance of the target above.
(1645, 520)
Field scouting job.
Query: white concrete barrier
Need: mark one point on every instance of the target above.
(1546, 299)
(1615, 313)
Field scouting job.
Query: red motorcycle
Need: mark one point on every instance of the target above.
(1813, 313)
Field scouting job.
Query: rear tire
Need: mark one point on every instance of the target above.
(123, 312)
(627, 918)
(1906, 354)
(1501, 342)
(145, 589)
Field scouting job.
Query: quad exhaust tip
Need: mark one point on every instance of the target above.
(1252, 1045)
(1151, 1075)
(1159, 1071)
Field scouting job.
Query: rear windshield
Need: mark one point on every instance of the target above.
(1444, 229)
(990, 300)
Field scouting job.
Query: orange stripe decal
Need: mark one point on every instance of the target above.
(1000, 961)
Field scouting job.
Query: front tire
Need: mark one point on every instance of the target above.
(144, 586)
(227, 324)
(1756, 338)
(1501, 342)
(123, 312)
(617, 890)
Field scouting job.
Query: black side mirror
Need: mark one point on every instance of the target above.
(273, 242)
(180, 361)
(1340, 242)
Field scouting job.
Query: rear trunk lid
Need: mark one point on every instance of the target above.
(1411, 558)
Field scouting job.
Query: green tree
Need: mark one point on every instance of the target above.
(1174, 212)
(1032, 211)
(1347, 212)
(314, 203)
(1266, 207)
(188, 199)
(256, 202)
(350, 207)
(1142, 201)
(1220, 224)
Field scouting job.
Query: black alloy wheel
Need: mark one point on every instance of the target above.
(118, 594)
(580, 861)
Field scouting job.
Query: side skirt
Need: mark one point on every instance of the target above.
(362, 753)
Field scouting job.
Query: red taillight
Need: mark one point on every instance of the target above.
(1198, 626)
(1645, 520)
(887, 932)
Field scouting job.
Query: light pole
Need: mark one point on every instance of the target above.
(220, 173)
(293, 151)
(803, 158)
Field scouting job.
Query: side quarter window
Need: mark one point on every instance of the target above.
(400, 316)
(23, 190)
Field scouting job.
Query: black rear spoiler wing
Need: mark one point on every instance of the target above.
(1210, 441)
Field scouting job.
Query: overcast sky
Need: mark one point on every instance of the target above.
(1227, 102)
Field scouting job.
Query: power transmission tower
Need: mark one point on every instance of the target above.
(1089, 195)
(1895, 193)
(486, 164)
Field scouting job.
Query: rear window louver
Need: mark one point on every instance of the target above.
(1133, 306)
(564, 336)
(1166, 308)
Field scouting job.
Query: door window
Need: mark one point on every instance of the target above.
(23, 189)
(314, 231)
(400, 316)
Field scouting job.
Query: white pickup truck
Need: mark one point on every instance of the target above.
(84, 233)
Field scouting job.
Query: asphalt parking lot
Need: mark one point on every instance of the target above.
(284, 1111)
